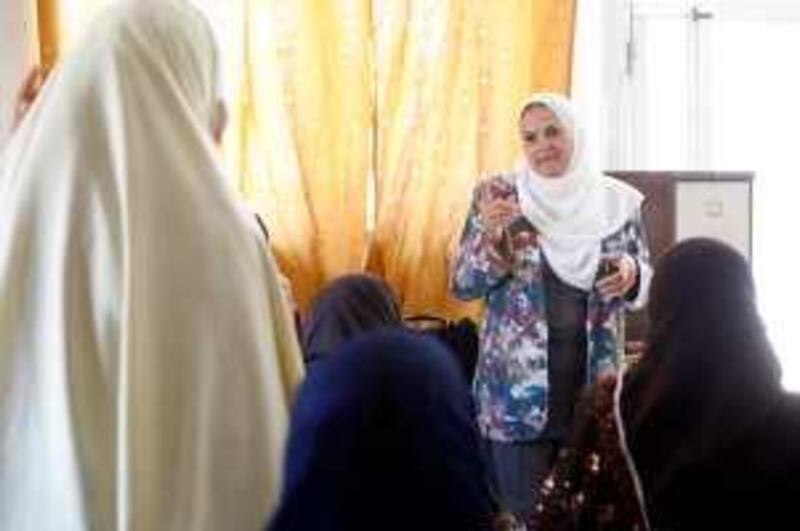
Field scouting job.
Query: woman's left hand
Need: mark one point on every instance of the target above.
(621, 280)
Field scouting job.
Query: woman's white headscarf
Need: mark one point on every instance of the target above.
(575, 211)
(146, 356)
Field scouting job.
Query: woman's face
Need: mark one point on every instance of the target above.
(546, 142)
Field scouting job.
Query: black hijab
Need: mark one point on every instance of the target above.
(707, 383)
(348, 306)
(383, 438)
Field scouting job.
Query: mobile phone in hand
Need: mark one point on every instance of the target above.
(521, 233)
(608, 266)
(519, 225)
(498, 188)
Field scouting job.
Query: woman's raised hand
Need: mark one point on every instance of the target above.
(621, 279)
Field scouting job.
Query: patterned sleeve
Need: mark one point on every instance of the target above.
(640, 251)
(478, 265)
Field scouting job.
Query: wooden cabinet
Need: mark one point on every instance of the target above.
(680, 205)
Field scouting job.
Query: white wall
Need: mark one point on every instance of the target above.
(18, 51)
(597, 67)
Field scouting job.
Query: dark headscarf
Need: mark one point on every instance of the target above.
(707, 382)
(345, 308)
(383, 438)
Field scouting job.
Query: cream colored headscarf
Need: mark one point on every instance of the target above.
(147, 358)
(576, 211)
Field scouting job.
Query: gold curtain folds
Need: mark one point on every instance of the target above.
(451, 75)
(47, 26)
(60, 23)
(300, 144)
(358, 127)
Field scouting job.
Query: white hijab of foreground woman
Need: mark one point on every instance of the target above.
(575, 211)
(146, 356)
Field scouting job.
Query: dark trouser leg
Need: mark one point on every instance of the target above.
(517, 470)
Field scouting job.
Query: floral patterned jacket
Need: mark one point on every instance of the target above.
(511, 382)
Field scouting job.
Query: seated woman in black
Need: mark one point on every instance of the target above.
(345, 308)
(714, 438)
(698, 434)
(383, 438)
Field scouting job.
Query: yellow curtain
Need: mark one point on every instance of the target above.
(451, 75)
(67, 19)
(351, 117)
(301, 136)
(47, 26)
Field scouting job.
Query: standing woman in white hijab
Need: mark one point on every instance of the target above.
(147, 358)
(557, 251)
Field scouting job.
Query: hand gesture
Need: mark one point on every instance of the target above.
(621, 278)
